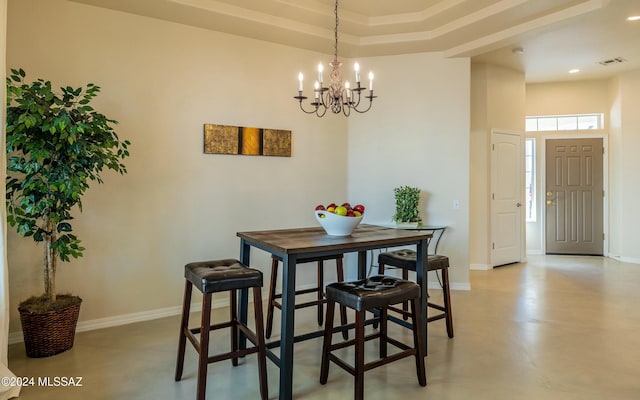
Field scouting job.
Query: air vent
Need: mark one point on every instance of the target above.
(611, 61)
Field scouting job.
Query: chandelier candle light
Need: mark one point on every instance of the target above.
(338, 97)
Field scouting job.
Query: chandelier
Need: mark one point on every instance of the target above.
(339, 97)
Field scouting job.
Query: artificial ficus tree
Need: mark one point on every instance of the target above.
(56, 145)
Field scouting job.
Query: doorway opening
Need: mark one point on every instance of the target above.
(579, 217)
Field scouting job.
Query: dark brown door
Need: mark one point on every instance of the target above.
(574, 196)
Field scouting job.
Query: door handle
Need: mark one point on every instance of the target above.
(518, 205)
(549, 202)
(549, 194)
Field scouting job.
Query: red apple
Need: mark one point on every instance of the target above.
(320, 207)
(359, 207)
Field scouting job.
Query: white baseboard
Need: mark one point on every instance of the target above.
(108, 322)
(457, 286)
(480, 267)
(631, 260)
(100, 323)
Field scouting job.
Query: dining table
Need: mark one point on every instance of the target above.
(294, 244)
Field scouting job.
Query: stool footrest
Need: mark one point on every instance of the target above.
(301, 291)
(351, 342)
(212, 327)
(302, 305)
(232, 354)
(389, 359)
(406, 352)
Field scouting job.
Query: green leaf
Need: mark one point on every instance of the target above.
(64, 227)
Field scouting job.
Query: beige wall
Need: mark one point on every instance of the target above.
(626, 170)
(163, 81)
(497, 102)
(576, 97)
(615, 167)
(418, 135)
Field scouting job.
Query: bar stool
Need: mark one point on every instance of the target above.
(319, 289)
(376, 292)
(221, 276)
(406, 260)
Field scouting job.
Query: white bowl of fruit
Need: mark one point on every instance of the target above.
(339, 220)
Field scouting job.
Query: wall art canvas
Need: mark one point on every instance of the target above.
(226, 139)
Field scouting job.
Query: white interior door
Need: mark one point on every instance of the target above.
(506, 197)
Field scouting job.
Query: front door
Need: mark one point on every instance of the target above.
(574, 196)
(506, 198)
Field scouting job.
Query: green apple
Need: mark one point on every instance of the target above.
(340, 210)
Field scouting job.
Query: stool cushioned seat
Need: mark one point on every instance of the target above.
(372, 292)
(221, 275)
(406, 258)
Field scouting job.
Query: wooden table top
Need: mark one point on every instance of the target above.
(304, 240)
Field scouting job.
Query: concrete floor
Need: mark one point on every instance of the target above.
(557, 327)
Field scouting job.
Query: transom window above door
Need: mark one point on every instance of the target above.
(577, 122)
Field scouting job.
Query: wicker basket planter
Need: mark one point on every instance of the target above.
(51, 332)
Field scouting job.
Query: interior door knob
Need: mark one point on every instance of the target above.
(518, 205)
(549, 202)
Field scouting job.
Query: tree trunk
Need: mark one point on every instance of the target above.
(49, 264)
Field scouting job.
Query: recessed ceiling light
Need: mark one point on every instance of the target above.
(634, 18)
(574, 71)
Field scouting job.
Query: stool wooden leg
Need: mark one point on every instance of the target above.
(383, 333)
(447, 302)
(203, 351)
(262, 357)
(405, 305)
(184, 325)
(417, 343)
(320, 291)
(233, 317)
(359, 349)
(380, 269)
(380, 272)
(326, 344)
(272, 296)
(343, 309)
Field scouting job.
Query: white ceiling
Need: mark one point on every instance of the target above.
(555, 35)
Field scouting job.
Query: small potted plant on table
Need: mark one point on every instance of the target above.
(56, 144)
(407, 200)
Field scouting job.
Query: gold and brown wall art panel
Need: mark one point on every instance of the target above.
(239, 140)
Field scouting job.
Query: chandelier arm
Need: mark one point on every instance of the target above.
(346, 110)
(368, 108)
(300, 98)
(355, 103)
(320, 115)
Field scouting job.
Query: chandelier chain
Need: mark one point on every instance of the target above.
(335, 32)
